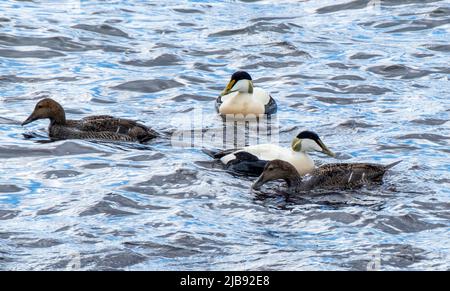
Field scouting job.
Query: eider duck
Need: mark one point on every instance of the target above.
(99, 127)
(331, 176)
(251, 160)
(241, 97)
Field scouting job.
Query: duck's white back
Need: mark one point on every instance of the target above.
(268, 152)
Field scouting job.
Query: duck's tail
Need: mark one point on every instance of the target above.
(147, 134)
(210, 152)
(392, 165)
(217, 153)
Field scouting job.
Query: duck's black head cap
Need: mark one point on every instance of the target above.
(241, 75)
(308, 134)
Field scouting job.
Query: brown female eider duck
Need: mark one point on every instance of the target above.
(331, 176)
(241, 97)
(98, 127)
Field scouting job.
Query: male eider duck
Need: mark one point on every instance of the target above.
(99, 127)
(241, 97)
(331, 176)
(251, 160)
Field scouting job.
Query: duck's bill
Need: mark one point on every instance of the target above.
(325, 149)
(30, 119)
(228, 88)
(258, 183)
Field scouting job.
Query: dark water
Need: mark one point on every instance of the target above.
(371, 77)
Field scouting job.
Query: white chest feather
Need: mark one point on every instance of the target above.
(245, 103)
(268, 152)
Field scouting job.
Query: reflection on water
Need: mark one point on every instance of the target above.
(371, 77)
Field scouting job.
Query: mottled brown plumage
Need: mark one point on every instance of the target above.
(331, 176)
(99, 127)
